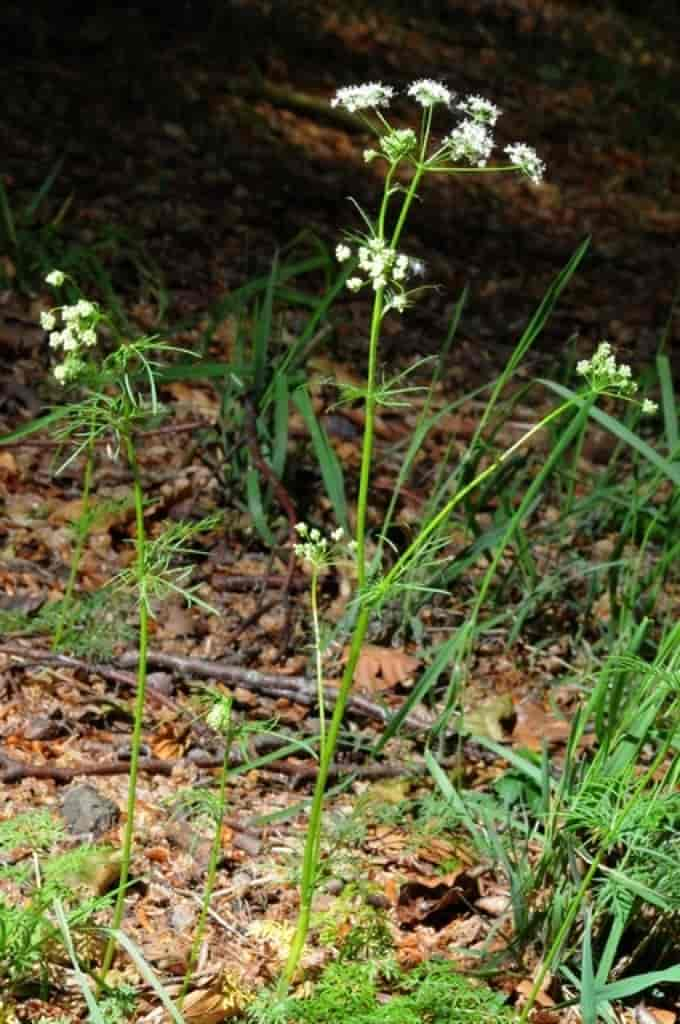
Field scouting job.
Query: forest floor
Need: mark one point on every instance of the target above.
(185, 166)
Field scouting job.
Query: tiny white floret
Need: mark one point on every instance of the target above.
(55, 278)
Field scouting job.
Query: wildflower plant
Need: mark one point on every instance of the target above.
(114, 393)
(381, 266)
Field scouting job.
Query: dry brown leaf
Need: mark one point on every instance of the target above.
(525, 987)
(382, 668)
(534, 727)
(493, 905)
(653, 1015)
(168, 742)
(488, 717)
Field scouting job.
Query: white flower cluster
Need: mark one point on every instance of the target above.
(480, 110)
(384, 268)
(428, 93)
(79, 323)
(527, 160)
(363, 97)
(471, 141)
(319, 551)
(604, 374)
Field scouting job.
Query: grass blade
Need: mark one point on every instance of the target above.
(668, 403)
(329, 465)
(669, 469)
(82, 979)
(149, 976)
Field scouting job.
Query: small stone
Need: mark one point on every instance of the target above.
(87, 812)
(40, 727)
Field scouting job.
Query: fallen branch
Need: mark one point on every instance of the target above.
(297, 689)
(294, 688)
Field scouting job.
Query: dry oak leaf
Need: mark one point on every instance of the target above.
(382, 668)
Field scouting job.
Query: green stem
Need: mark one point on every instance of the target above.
(318, 660)
(136, 740)
(311, 853)
(312, 843)
(367, 446)
(212, 872)
(83, 530)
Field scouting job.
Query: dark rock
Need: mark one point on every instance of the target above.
(86, 811)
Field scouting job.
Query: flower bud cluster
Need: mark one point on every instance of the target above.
(396, 145)
(604, 374)
(317, 550)
(78, 331)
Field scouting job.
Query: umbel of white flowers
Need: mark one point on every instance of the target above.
(79, 330)
(317, 550)
(471, 141)
(606, 376)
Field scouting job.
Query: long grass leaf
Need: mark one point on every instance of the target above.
(81, 978)
(256, 507)
(442, 659)
(587, 986)
(522, 764)
(44, 189)
(639, 983)
(669, 469)
(148, 974)
(329, 465)
(263, 330)
(444, 784)
(669, 407)
(7, 216)
(37, 424)
(281, 417)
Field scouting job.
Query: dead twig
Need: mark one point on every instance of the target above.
(107, 672)
(294, 688)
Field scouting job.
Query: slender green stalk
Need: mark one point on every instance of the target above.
(310, 857)
(76, 557)
(317, 659)
(212, 872)
(136, 740)
(367, 445)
